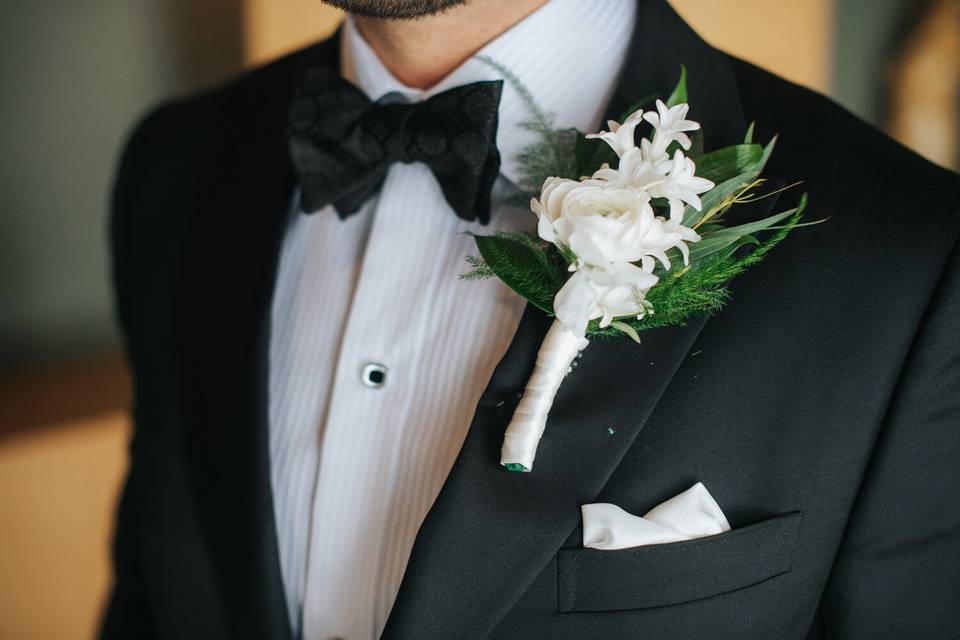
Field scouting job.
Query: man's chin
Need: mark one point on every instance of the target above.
(395, 9)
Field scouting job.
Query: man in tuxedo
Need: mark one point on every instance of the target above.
(320, 399)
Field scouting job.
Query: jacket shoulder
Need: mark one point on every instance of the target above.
(811, 126)
(184, 144)
(871, 183)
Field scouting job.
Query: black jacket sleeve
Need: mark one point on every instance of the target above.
(897, 572)
(128, 612)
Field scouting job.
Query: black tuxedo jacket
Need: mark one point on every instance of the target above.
(821, 407)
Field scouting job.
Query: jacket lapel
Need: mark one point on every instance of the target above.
(491, 532)
(233, 241)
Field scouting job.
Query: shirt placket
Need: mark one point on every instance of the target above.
(372, 389)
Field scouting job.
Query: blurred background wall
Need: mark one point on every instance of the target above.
(76, 76)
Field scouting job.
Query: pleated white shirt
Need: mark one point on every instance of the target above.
(379, 352)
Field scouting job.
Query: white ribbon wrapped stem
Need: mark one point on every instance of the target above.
(556, 354)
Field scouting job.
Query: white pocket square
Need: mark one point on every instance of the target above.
(691, 514)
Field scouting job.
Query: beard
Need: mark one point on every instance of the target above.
(394, 9)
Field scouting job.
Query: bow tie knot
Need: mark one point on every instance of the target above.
(341, 143)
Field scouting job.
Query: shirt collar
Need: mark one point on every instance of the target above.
(553, 52)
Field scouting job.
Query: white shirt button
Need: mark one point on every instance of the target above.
(374, 375)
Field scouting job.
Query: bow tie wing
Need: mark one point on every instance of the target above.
(335, 158)
(341, 143)
(455, 134)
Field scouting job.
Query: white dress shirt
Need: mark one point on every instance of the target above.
(379, 352)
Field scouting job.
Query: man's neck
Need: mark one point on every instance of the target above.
(420, 53)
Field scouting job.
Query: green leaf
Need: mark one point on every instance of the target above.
(522, 268)
(627, 329)
(758, 225)
(716, 196)
(748, 138)
(767, 152)
(716, 247)
(709, 246)
(741, 242)
(591, 153)
(679, 94)
(723, 164)
(700, 291)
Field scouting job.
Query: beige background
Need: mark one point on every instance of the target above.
(57, 490)
(58, 484)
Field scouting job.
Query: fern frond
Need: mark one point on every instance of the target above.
(552, 154)
(480, 270)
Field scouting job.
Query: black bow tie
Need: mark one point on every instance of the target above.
(342, 144)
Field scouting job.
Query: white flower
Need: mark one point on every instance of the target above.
(620, 136)
(605, 224)
(592, 293)
(599, 225)
(675, 180)
(681, 186)
(635, 171)
(608, 222)
(670, 124)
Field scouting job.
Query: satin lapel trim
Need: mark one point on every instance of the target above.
(491, 532)
(231, 260)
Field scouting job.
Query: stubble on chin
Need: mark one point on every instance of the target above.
(395, 9)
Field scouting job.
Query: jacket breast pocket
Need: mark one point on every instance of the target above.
(678, 572)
